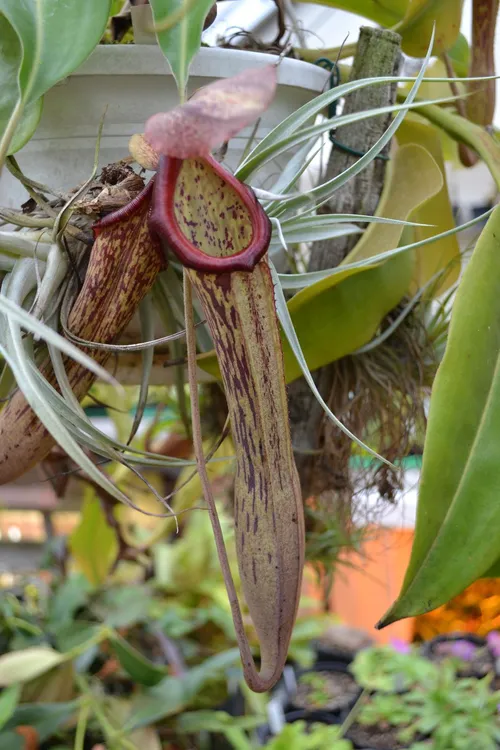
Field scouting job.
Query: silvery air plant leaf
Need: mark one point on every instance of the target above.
(216, 228)
(124, 262)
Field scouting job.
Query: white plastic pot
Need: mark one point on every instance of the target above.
(130, 83)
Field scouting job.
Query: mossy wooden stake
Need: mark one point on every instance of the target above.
(378, 54)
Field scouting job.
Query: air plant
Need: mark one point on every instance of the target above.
(193, 212)
(100, 311)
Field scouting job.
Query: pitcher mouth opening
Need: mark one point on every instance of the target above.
(165, 221)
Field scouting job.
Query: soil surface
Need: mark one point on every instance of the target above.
(479, 665)
(375, 737)
(339, 690)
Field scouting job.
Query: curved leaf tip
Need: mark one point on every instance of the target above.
(213, 115)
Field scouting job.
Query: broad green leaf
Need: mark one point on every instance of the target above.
(10, 62)
(413, 19)
(457, 535)
(74, 634)
(444, 254)
(345, 308)
(432, 88)
(326, 310)
(346, 315)
(53, 38)
(72, 594)
(459, 55)
(385, 14)
(22, 666)
(180, 43)
(93, 544)
(173, 694)
(12, 741)
(46, 719)
(8, 702)
(139, 668)
(54, 686)
(402, 195)
(123, 607)
(422, 18)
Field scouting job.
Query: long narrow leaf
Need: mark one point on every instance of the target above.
(289, 330)
(302, 280)
(29, 323)
(146, 313)
(305, 113)
(316, 130)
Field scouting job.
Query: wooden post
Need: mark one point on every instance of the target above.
(378, 54)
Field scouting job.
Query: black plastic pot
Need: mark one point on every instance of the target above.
(430, 649)
(234, 705)
(334, 715)
(327, 654)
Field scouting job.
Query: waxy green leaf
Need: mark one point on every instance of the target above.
(139, 668)
(413, 19)
(8, 701)
(385, 14)
(93, 533)
(345, 314)
(23, 666)
(438, 213)
(402, 195)
(53, 38)
(425, 17)
(457, 535)
(181, 42)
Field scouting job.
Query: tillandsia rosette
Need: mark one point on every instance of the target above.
(217, 229)
(124, 262)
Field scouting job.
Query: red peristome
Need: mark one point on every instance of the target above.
(164, 223)
(213, 115)
(126, 211)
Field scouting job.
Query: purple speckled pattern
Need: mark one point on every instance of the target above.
(208, 218)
